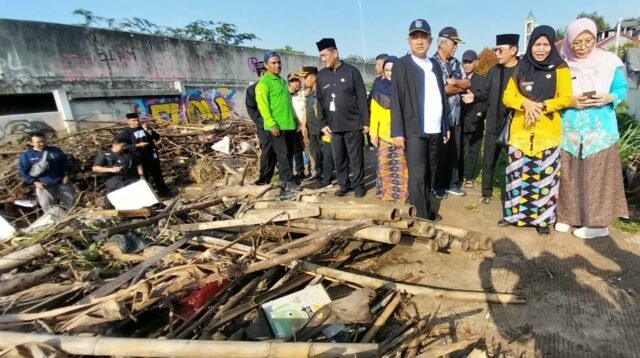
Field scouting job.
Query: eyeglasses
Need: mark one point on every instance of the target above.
(588, 43)
(498, 50)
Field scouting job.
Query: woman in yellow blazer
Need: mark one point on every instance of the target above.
(539, 88)
(392, 181)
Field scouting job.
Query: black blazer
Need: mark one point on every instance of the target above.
(407, 99)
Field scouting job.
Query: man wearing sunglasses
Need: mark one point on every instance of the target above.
(506, 51)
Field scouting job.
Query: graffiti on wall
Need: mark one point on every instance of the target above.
(197, 105)
(128, 54)
(19, 129)
(10, 61)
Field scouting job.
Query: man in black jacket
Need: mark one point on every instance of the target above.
(419, 113)
(268, 158)
(342, 98)
(141, 139)
(119, 166)
(506, 51)
(472, 117)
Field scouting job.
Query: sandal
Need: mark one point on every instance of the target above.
(469, 184)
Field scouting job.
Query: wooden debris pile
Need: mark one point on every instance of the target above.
(183, 149)
(216, 274)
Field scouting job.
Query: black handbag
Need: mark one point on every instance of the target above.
(503, 132)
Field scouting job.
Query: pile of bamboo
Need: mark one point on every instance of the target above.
(209, 264)
(180, 147)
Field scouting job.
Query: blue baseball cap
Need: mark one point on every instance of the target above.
(269, 54)
(420, 25)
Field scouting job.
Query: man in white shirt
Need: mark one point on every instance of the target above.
(419, 116)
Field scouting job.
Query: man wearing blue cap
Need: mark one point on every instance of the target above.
(419, 113)
(274, 103)
(342, 98)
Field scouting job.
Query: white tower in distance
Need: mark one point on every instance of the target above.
(529, 25)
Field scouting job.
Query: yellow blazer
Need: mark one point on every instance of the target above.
(547, 131)
(380, 123)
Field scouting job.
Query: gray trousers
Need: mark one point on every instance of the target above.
(49, 196)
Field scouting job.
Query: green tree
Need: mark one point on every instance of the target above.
(290, 50)
(597, 18)
(560, 34)
(200, 30)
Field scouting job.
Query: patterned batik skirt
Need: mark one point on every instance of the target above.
(392, 182)
(532, 187)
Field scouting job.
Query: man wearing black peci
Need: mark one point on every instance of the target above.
(342, 99)
(506, 51)
(141, 139)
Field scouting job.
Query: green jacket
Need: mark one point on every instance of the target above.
(274, 103)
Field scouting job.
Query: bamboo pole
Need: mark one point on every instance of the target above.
(372, 233)
(135, 347)
(18, 258)
(382, 319)
(339, 211)
(21, 281)
(251, 219)
(108, 232)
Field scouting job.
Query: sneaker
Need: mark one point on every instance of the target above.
(591, 233)
(317, 178)
(359, 193)
(485, 200)
(341, 192)
(561, 227)
(260, 182)
(503, 223)
(456, 191)
(440, 193)
(543, 231)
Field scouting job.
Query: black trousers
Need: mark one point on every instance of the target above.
(472, 145)
(348, 156)
(316, 153)
(152, 170)
(422, 161)
(327, 163)
(267, 157)
(298, 153)
(490, 159)
(450, 163)
(283, 147)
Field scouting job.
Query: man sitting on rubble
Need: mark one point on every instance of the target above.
(47, 168)
(120, 166)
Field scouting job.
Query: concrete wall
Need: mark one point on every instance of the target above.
(102, 74)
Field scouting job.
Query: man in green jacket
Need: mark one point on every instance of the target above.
(274, 104)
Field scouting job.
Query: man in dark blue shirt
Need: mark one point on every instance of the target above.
(47, 168)
(120, 166)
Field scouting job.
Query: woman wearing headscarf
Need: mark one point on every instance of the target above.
(539, 88)
(591, 193)
(393, 178)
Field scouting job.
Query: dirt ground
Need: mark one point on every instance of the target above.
(582, 295)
